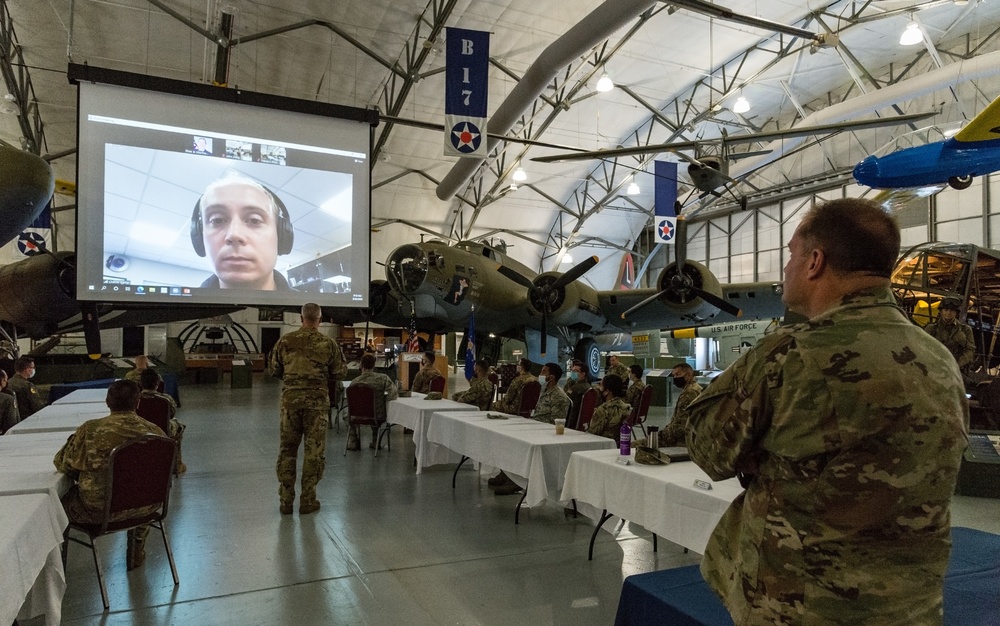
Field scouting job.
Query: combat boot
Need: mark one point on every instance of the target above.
(353, 439)
(136, 553)
(308, 507)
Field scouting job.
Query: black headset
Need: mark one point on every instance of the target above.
(286, 235)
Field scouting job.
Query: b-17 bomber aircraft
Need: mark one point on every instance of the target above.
(444, 282)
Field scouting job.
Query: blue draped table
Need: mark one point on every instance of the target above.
(680, 596)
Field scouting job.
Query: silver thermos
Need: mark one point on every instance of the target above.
(652, 437)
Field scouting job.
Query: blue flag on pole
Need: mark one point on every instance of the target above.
(470, 346)
(665, 197)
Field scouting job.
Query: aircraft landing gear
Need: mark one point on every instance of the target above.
(588, 352)
(960, 182)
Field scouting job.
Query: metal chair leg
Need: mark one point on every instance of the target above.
(458, 467)
(170, 553)
(100, 574)
(517, 511)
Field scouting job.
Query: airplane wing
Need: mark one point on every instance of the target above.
(756, 301)
(895, 199)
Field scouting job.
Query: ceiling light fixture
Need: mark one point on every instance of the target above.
(912, 35)
(633, 188)
(512, 187)
(742, 105)
(519, 175)
(605, 84)
(567, 259)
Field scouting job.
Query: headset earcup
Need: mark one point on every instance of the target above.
(197, 232)
(286, 234)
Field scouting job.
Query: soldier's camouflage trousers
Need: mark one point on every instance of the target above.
(308, 425)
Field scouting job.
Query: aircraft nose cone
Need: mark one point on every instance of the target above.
(866, 172)
(406, 269)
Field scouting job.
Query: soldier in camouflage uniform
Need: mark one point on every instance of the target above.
(617, 368)
(141, 365)
(8, 406)
(577, 384)
(675, 433)
(553, 403)
(385, 390)
(847, 431)
(28, 399)
(149, 380)
(511, 401)
(953, 333)
(634, 392)
(480, 393)
(608, 418)
(421, 383)
(307, 362)
(84, 458)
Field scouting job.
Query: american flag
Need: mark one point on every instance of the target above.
(413, 343)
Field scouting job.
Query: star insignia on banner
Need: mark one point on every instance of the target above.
(30, 243)
(465, 137)
(666, 229)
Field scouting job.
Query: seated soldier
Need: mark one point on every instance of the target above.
(29, 401)
(149, 380)
(553, 403)
(608, 417)
(141, 365)
(85, 456)
(8, 405)
(481, 390)
(421, 383)
(511, 401)
(385, 390)
(577, 384)
(634, 392)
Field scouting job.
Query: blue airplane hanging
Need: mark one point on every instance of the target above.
(973, 151)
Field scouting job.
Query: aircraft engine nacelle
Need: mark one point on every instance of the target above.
(39, 293)
(575, 305)
(671, 282)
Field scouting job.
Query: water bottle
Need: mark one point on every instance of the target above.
(626, 439)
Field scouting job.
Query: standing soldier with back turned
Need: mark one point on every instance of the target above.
(307, 362)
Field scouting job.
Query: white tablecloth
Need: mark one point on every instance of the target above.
(662, 498)
(26, 465)
(59, 418)
(31, 531)
(84, 396)
(526, 450)
(415, 413)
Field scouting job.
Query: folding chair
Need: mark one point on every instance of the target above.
(587, 406)
(638, 415)
(437, 384)
(141, 471)
(156, 411)
(361, 412)
(529, 398)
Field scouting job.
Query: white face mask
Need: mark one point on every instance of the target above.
(31, 373)
(542, 380)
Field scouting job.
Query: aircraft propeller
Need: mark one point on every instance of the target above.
(545, 291)
(682, 284)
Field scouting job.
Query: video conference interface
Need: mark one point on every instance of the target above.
(201, 201)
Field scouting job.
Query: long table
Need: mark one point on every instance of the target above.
(415, 413)
(59, 418)
(32, 521)
(84, 396)
(662, 498)
(528, 451)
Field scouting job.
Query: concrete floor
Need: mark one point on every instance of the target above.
(388, 546)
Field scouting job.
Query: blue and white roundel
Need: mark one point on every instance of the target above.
(465, 137)
(30, 243)
(665, 229)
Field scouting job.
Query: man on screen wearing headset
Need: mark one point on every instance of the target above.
(243, 227)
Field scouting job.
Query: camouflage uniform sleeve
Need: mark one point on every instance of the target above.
(725, 421)
(338, 368)
(391, 393)
(71, 458)
(511, 401)
(675, 433)
(276, 367)
(969, 350)
(8, 412)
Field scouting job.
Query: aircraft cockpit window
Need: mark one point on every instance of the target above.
(933, 271)
(920, 137)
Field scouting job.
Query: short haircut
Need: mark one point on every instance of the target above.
(525, 364)
(855, 235)
(22, 363)
(636, 369)
(614, 384)
(579, 363)
(555, 370)
(684, 368)
(149, 379)
(3, 374)
(123, 395)
(312, 312)
(430, 356)
(368, 361)
(141, 358)
(483, 364)
(233, 177)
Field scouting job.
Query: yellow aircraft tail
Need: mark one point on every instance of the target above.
(983, 127)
